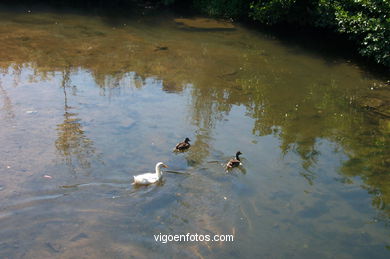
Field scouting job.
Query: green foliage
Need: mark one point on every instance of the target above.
(272, 11)
(223, 8)
(366, 22)
(168, 2)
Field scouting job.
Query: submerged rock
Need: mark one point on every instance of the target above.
(205, 24)
(79, 237)
(377, 102)
(127, 123)
(157, 48)
(372, 102)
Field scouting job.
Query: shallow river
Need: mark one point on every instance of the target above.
(86, 102)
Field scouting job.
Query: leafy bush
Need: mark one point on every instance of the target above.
(280, 11)
(223, 8)
(366, 22)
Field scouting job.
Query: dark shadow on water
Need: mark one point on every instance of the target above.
(332, 47)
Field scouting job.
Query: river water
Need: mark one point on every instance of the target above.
(88, 101)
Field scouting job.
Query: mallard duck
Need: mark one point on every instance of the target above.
(234, 162)
(149, 178)
(183, 145)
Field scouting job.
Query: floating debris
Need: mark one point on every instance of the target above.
(31, 112)
(157, 48)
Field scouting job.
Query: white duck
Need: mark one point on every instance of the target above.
(149, 178)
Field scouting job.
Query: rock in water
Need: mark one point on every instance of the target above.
(205, 24)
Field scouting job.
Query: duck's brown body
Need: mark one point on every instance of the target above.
(183, 145)
(234, 162)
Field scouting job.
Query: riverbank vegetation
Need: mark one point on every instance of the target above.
(365, 22)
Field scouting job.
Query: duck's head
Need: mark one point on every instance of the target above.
(161, 164)
(238, 153)
(187, 140)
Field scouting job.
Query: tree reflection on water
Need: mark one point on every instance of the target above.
(299, 108)
(72, 143)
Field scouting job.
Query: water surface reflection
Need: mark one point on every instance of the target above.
(92, 103)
